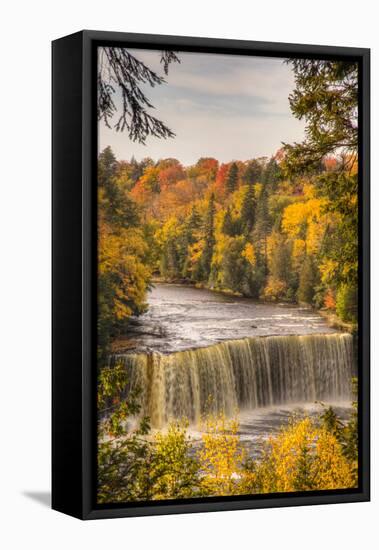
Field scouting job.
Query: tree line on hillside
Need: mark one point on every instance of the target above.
(240, 227)
(284, 228)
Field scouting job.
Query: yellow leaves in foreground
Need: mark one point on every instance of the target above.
(222, 456)
(302, 457)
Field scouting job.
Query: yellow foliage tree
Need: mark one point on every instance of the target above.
(302, 457)
(306, 220)
(122, 278)
(298, 253)
(273, 289)
(221, 456)
(249, 254)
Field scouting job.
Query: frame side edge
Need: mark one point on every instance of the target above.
(66, 275)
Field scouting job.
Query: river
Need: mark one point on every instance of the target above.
(184, 317)
(195, 347)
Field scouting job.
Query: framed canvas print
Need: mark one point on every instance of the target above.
(210, 274)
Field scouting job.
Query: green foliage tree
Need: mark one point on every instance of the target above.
(232, 178)
(308, 280)
(342, 192)
(280, 262)
(174, 468)
(228, 226)
(170, 262)
(191, 233)
(272, 175)
(326, 97)
(114, 203)
(255, 278)
(247, 216)
(106, 167)
(253, 172)
(347, 302)
(192, 226)
(120, 460)
(234, 267)
(209, 238)
(345, 432)
(262, 227)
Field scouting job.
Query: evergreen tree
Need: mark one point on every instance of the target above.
(280, 264)
(115, 203)
(232, 178)
(193, 224)
(170, 260)
(190, 236)
(136, 170)
(253, 173)
(106, 167)
(254, 278)
(227, 224)
(272, 175)
(234, 266)
(321, 84)
(248, 210)
(262, 227)
(209, 238)
(347, 303)
(308, 281)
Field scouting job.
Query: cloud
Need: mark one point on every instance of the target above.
(218, 105)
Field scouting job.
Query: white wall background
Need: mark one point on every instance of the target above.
(26, 31)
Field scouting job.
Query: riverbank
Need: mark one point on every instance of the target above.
(335, 322)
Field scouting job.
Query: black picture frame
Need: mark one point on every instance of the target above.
(74, 151)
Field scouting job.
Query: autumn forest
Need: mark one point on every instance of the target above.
(280, 230)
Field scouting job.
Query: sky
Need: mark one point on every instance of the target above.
(222, 106)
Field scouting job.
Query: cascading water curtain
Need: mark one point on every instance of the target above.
(244, 374)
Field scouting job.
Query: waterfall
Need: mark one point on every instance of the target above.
(242, 374)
